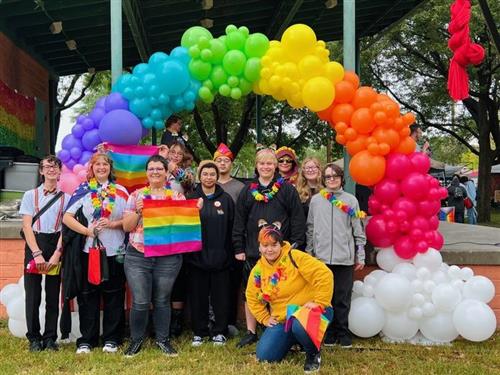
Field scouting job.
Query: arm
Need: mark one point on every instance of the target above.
(297, 219)
(239, 226)
(310, 230)
(318, 275)
(31, 241)
(358, 231)
(133, 213)
(256, 307)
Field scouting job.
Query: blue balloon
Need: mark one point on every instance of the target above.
(140, 107)
(98, 113)
(100, 103)
(91, 139)
(181, 54)
(158, 58)
(120, 127)
(71, 141)
(88, 123)
(140, 69)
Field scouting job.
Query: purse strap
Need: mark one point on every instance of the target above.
(46, 207)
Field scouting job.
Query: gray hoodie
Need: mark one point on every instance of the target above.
(332, 234)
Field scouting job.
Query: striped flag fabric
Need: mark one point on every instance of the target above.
(171, 227)
(129, 163)
(313, 321)
(447, 214)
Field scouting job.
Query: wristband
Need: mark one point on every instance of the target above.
(37, 253)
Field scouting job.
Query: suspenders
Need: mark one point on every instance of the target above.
(59, 214)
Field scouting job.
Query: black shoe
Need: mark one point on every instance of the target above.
(133, 348)
(330, 340)
(313, 363)
(167, 348)
(176, 321)
(36, 346)
(345, 342)
(50, 344)
(248, 339)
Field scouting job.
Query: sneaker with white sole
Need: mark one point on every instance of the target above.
(219, 340)
(83, 349)
(197, 341)
(110, 347)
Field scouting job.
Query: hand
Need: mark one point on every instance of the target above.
(172, 166)
(92, 230)
(359, 266)
(240, 256)
(40, 263)
(103, 222)
(311, 305)
(200, 203)
(54, 260)
(163, 151)
(139, 204)
(272, 322)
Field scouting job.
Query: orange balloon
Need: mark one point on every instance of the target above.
(380, 118)
(384, 148)
(405, 132)
(353, 78)
(382, 98)
(391, 109)
(344, 92)
(364, 97)
(341, 127)
(398, 123)
(406, 146)
(342, 112)
(367, 169)
(388, 136)
(409, 118)
(340, 139)
(350, 134)
(361, 121)
(332, 125)
(373, 148)
(376, 107)
(325, 114)
(359, 144)
(371, 140)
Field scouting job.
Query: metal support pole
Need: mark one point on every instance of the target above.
(258, 118)
(116, 40)
(349, 27)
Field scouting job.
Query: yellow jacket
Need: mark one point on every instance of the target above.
(271, 288)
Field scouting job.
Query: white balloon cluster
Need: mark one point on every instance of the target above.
(424, 294)
(12, 296)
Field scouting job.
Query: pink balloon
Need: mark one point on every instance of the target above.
(434, 193)
(69, 182)
(444, 193)
(82, 175)
(437, 240)
(416, 234)
(415, 186)
(420, 222)
(400, 216)
(405, 205)
(429, 208)
(421, 246)
(392, 226)
(77, 168)
(388, 214)
(65, 169)
(404, 248)
(374, 206)
(420, 162)
(433, 223)
(433, 182)
(405, 226)
(377, 232)
(387, 191)
(397, 166)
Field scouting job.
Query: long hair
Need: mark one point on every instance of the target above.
(93, 160)
(302, 186)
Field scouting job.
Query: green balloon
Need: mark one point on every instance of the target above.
(218, 49)
(256, 45)
(236, 93)
(230, 29)
(194, 52)
(206, 55)
(236, 40)
(200, 70)
(192, 35)
(244, 30)
(208, 84)
(233, 81)
(204, 42)
(218, 76)
(204, 93)
(225, 90)
(245, 87)
(252, 69)
(234, 62)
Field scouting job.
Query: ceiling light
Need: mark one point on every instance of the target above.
(71, 44)
(330, 4)
(207, 4)
(55, 27)
(207, 23)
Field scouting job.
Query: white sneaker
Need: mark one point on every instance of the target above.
(83, 349)
(219, 340)
(110, 347)
(197, 341)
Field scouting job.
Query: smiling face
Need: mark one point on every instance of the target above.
(271, 250)
(285, 164)
(332, 180)
(101, 168)
(208, 177)
(266, 163)
(311, 171)
(176, 154)
(50, 170)
(156, 173)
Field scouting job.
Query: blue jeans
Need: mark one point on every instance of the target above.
(472, 215)
(150, 280)
(275, 343)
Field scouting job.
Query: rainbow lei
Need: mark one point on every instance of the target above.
(266, 197)
(146, 192)
(98, 196)
(341, 205)
(273, 281)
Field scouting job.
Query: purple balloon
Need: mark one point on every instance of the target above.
(86, 155)
(120, 127)
(80, 118)
(75, 152)
(71, 141)
(91, 139)
(71, 163)
(88, 123)
(78, 130)
(64, 155)
(100, 103)
(115, 101)
(96, 115)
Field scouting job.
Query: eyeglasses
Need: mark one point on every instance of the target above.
(153, 170)
(285, 161)
(49, 167)
(311, 169)
(332, 177)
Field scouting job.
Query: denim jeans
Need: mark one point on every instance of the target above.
(275, 343)
(472, 216)
(150, 280)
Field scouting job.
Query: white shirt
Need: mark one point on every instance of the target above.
(51, 220)
(112, 239)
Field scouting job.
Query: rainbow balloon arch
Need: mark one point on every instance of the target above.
(405, 201)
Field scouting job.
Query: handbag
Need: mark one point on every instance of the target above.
(468, 203)
(42, 211)
(32, 268)
(98, 270)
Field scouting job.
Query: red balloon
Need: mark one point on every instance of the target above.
(400, 216)
(387, 191)
(421, 246)
(406, 205)
(415, 186)
(421, 162)
(377, 232)
(374, 206)
(433, 223)
(404, 226)
(397, 166)
(392, 226)
(437, 241)
(434, 194)
(429, 208)
(420, 222)
(404, 248)
(416, 234)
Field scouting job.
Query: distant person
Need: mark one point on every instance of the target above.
(456, 196)
(470, 188)
(418, 136)
(173, 133)
(288, 166)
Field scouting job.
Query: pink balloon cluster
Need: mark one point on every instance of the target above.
(405, 205)
(70, 180)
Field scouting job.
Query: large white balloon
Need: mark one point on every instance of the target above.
(393, 292)
(439, 277)
(446, 297)
(423, 273)
(428, 309)
(366, 317)
(474, 320)
(357, 287)
(439, 328)
(17, 327)
(16, 307)
(480, 288)
(8, 292)
(466, 273)
(398, 326)
(368, 290)
(431, 259)
(454, 272)
(387, 259)
(407, 270)
(415, 313)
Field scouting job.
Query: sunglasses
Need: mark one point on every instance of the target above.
(285, 161)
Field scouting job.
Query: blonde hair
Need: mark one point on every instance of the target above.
(266, 154)
(302, 186)
(94, 159)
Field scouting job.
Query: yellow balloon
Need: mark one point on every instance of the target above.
(318, 93)
(279, 95)
(291, 70)
(264, 87)
(298, 40)
(334, 72)
(275, 82)
(294, 103)
(310, 66)
(256, 88)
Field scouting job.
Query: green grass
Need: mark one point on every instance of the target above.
(367, 357)
(495, 218)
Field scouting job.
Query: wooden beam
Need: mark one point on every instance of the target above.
(133, 13)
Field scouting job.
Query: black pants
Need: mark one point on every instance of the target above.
(202, 285)
(47, 242)
(459, 216)
(341, 300)
(112, 293)
(235, 274)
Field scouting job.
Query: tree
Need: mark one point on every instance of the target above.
(411, 63)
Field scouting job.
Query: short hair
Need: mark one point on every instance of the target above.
(157, 158)
(464, 179)
(204, 164)
(93, 160)
(172, 120)
(338, 171)
(270, 232)
(266, 154)
(414, 128)
(50, 159)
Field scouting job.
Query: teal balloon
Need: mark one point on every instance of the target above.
(140, 92)
(218, 49)
(235, 40)
(163, 99)
(225, 90)
(236, 93)
(256, 45)
(148, 122)
(234, 62)
(174, 77)
(159, 125)
(245, 87)
(156, 114)
(140, 69)
(218, 76)
(157, 58)
(140, 107)
(200, 70)
(252, 69)
(154, 90)
(192, 35)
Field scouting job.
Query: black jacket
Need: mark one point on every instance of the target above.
(217, 217)
(285, 207)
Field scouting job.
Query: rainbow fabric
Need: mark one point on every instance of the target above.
(129, 163)
(313, 321)
(447, 214)
(171, 227)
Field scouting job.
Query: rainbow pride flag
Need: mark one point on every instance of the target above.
(447, 214)
(129, 163)
(171, 227)
(314, 322)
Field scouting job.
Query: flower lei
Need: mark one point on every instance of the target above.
(98, 196)
(146, 192)
(274, 280)
(266, 197)
(341, 205)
